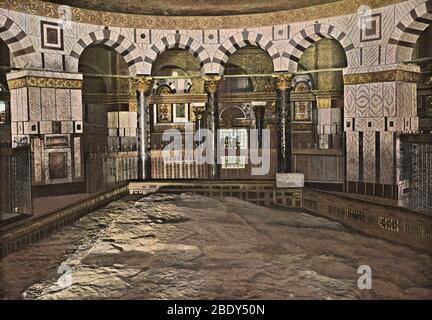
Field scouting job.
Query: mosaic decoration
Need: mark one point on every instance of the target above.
(47, 9)
(42, 82)
(164, 111)
(381, 76)
(302, 111)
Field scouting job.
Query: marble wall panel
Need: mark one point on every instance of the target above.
(37, 160)
(53, 61)
(63, 104)
(77, 157)
(349, 101)
(376, 99)
(369, 156)
(24, 104)
(389, 99)
(404, 99)
(35, 111)
(370, 56)
(386, 158)
(14, 106)
(45, 127)
(67, 127)
(133, 120)
(48, 98)
(123, 119)
(352, 154)
(361, 124)
(363, 100)
(378, 124)
(76, 105)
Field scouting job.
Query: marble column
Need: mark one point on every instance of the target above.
(211, 84)
(283, 89)
(198, 110)
(259, 110)
(143, 87)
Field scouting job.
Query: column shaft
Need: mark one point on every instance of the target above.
(143, 86)
(211, 85)
(283, 85)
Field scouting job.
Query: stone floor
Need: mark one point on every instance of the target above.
(192, 247)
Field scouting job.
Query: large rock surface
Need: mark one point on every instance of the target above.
(189, 247)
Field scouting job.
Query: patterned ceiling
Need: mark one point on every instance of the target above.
(192, 7)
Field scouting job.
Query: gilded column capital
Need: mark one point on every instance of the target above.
(211, 83)
(142, 84)
(283, 80)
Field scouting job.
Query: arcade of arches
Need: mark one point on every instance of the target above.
(342, 108)
(323, 108)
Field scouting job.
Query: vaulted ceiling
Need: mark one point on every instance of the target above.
(192, 7)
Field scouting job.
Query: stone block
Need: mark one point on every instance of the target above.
(289, 180)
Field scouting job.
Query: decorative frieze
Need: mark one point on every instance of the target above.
(381, 76)
(105, 18)
(42, 82)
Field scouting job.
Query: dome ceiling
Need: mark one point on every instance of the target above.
(192, 7)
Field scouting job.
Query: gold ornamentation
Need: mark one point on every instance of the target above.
(302, 127)
(41, 82)
(283, 81)
(338, 8)
(144, 84)
(211, 83)
(133, 106)
(177, 98)
(428, 81)
(198, 112)
(302, 87)
(324, 103)
(381, 76)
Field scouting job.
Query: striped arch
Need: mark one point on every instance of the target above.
(313, 33)
(240, 40)
(407, 31)
(113, 40)
(180, 41)
(17, 41)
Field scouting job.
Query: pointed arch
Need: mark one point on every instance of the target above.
(17, 41)
(112, 40)
(180, 41)
(240, 40)
(313, 33)
(407, 31)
